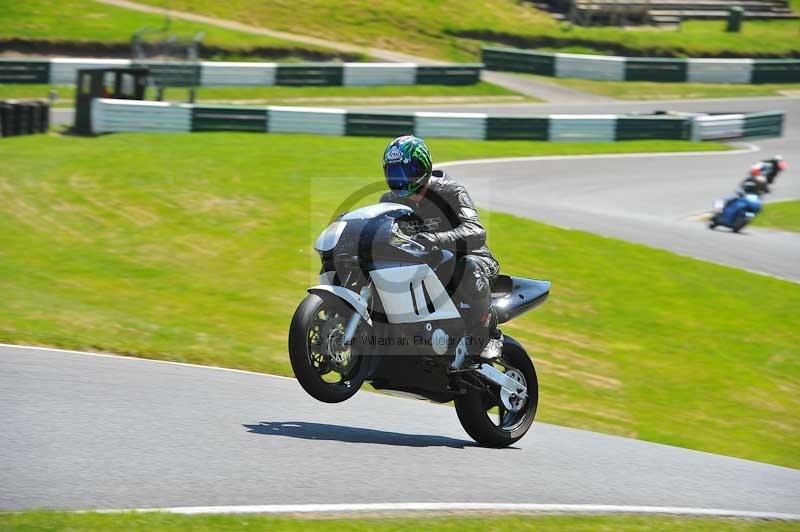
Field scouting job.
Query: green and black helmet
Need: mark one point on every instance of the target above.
(407, 165)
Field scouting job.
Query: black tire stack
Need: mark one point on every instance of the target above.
(23, 117)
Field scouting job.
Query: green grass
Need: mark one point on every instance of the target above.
(391, 94)
(188, 247)
(646, 90)
(89, 21)
(444, 29)
(783, 215)
(46, 521)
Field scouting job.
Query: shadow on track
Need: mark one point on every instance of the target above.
(321, 431)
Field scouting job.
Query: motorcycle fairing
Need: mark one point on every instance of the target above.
(513, 296)
(413, 293)
(350, 297)
(414, 369)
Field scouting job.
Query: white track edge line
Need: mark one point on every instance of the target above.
(750, 148)
(134, 357)
(462, 506)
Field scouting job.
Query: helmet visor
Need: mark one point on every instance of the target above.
(399, 181)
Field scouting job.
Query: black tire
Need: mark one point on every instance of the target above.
(473, 408)
(739, 224)
(310, 364)
(712, 224)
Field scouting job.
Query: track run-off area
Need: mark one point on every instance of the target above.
(84, 431)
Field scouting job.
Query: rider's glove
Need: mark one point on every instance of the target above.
(426, 239)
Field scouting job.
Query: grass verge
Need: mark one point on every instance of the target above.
(782, 215)
(647, 90)
(385, 95)
(444, 29)
(86, 21)
(188, 247)
(42, 521)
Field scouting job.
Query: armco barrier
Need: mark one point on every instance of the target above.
(769, 124)
(378, 124)
(652, 127)
(235, 74)
(613, 68)
(228, 118)
(655, 69)
(127, 115)
(517, 127)
(32, 71)
(514, 60)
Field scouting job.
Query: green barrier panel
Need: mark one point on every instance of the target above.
(776, 71)
(378, 125)
(763, 125)
(519, 61)
(309, 74)
(448, 75)
(229, 118)
(655, 69)
(517, 127)
(653, 127)
(173, 74)
(13, 71)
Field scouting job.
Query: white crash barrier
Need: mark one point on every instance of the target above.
(450, 125)
(306, 120)
(64, 71)
(366, 74)
(583, 128)
(719, 70)
(718, 127)
(599, 68)
(222, 74)
(110, 116)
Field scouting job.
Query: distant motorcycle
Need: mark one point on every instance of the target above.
(736, 212)
(383, 313)
(770, 169)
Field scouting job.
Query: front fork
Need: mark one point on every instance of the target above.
(355, 318)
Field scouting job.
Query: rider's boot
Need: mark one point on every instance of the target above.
(493, 349)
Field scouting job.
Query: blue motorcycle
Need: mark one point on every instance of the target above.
(736, 212)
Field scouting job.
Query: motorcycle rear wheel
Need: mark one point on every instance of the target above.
(327, 370)
(504, 428)
(739, 223)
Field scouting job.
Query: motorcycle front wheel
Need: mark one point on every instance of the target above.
(482, 413)
(328, 370)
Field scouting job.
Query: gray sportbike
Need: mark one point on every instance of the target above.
(384, 312)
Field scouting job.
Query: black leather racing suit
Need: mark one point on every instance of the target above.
(447, 212)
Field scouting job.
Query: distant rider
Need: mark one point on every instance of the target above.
(770, 169)
(448, 221)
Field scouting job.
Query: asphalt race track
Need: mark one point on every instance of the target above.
(86, 431)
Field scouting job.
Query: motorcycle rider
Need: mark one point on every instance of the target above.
(448, 220)
(754, 184)
(769, 168)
